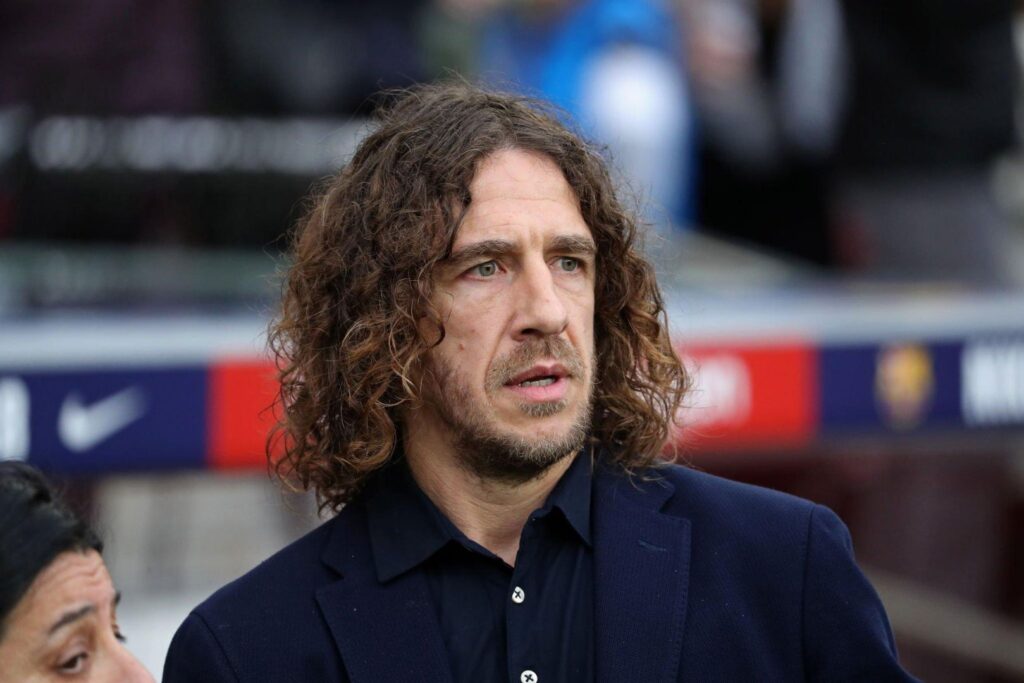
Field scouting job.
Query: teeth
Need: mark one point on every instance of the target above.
(542, 382)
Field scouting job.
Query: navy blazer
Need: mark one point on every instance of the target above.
(696, 578)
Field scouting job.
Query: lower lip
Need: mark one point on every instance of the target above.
(550, 392)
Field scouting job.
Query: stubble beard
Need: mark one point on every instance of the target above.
(482, 447)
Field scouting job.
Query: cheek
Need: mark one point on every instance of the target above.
(16, 666)
(585, 324)
(456, 343)
(455, 350)
(468, 351)
(464, 333)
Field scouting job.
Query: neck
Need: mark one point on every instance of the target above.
(491, 513)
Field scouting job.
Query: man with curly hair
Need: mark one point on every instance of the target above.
(477, 378)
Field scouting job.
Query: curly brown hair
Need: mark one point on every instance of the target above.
(347, 342)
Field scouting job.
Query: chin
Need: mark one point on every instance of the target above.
(538, 430)
(513, 446)
(541, 419)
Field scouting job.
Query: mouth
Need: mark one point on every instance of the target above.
(540, 384)
(539, 376)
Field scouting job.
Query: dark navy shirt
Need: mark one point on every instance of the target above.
(531, 623)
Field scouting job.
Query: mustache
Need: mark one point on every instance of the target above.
(527, 354)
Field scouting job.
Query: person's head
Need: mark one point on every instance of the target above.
(473, 243)
(57, 603)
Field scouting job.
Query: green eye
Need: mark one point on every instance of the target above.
(486, 269)
(569, 264)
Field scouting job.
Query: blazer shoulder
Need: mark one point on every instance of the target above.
(761, 557)
(266, 624)
(715, 490)
(743, 509)
(287, 578)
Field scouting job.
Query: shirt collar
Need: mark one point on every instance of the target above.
(571, 495)
(406, 528)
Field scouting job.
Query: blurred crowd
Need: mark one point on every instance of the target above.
(854, 135)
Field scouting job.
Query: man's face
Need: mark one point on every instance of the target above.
(514, 373)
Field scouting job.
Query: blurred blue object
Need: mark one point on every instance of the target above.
(616, 66)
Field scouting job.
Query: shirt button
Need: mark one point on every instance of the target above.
(528, 677)
(518, 595)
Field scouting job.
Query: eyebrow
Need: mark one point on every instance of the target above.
(74, 615)
(572, 244)
(70, 618)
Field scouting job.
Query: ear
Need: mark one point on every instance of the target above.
(431, 325)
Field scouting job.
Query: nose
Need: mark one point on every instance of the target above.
(540, 310)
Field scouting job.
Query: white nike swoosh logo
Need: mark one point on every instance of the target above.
(82, 427)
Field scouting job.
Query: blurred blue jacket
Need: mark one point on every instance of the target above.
(551, 57)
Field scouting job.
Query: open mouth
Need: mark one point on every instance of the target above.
(539, 382)
(540, 375)
(543, 383)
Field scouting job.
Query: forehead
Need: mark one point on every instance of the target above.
(515, 190)
(72, 580)
(529, 174)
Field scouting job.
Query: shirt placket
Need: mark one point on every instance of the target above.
(521, 611)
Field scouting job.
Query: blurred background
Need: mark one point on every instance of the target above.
(835, 195)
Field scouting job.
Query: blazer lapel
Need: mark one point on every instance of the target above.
(641, 576)
(385, 633)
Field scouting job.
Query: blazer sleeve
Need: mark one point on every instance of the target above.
(195, 655)
(846, 633)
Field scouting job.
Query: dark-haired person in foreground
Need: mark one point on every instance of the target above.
(477, 377)
(58, 608)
